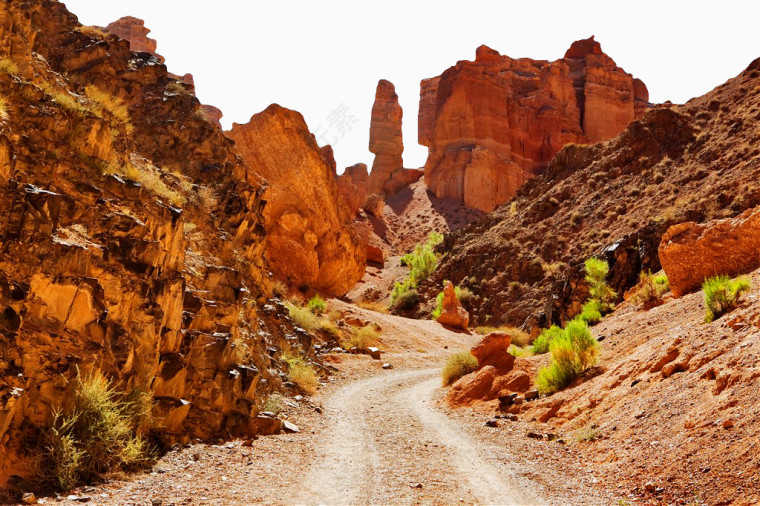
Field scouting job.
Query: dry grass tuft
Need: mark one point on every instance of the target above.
(457, 365)
(7, 66)
(302, 373)
(376, 306)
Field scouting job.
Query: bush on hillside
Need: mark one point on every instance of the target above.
(723, 294)
(457, 365)
(591, 312)
(573, 351)
(317, 305)
(302, 373)
(650, 289)
(421, 262)
(407, 300)
(596, 277)
(542, 342)
(99, 434)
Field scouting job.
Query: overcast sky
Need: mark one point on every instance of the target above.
(324, 58)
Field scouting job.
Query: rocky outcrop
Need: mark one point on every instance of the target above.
(310, 236)
(472, 387)
(452, 314)
(134, 30)
(385, 140)
(492, 349)
(352, 185)
(616, 199)
(132, 241)
(493, 123)
(691, 252)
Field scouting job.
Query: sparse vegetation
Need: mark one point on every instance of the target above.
(279, 289)
(302, 317)
(596, 277)
(589, 433)
(377, 306)
(519, 351)
(591, 312)
(92, 32)
(542, 342)
(363, 337)
(149, 177)
(317, 305)
(302, 373)
(8, 67)
(104, 101)
(723, 294)
(421, 262)
(100, 433)
(273, 404)
(650, 289)
(457, 365)
(63, 98)
(573, 352)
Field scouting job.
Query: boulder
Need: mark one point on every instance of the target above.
(492, 350)
(691, 252)
(493, 123)
(311, 239)
(453, 314)
(472, 387)
(515, 381)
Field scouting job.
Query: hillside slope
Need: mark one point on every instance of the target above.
(615, 199)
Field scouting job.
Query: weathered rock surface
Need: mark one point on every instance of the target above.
(134, 30)
(492, 350)
(691, 252)
(453, 314)
(615, 199)
(132, 243)
(310, 236)
(352, 185)
(472, 387)
(385, 140)
(493, 123)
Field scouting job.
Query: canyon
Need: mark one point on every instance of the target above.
(287, 323)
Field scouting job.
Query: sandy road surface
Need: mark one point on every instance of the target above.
(389, 444)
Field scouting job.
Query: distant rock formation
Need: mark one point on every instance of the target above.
(310, 236)
(134, 30)
(352, 185)
(385, 141)
(492, 124)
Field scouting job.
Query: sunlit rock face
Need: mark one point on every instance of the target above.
(388, 174)
(493, 123)
(310, 236)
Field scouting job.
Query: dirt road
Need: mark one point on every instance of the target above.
(389, 444)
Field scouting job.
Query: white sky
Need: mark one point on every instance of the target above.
(318, 56)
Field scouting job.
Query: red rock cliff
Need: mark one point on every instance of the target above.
(493, 123)
(310, 236)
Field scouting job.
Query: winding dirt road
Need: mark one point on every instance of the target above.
(389, 444)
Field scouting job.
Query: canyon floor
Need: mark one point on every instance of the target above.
(370, 436)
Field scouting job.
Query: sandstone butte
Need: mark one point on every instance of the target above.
(386, 142)
(691, 252)
(493, 123)
(310, 236)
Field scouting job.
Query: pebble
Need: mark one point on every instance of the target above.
(387, 366)
(289, 427)
(728, 423)
(535, 435)
(492, 423)
(29, 498)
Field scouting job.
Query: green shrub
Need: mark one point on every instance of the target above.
(317, 305)
(438, 305)
(457, 365)
(465, 295)
(407, 300)
(421, 262)
(273, 404)
(519, 351)
(591, 312)
(650, 289)
(573, 352)
(542, 342)
(100, 433)
(722, 294)
(302, 373)
(596, 275)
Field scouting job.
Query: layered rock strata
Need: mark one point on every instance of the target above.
(493, 123)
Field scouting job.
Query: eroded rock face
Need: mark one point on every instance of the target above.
(137, 249)
(453, 314)
(472, 387)
(134, 30)
(691, 252)
(385, 140)
(352, 185)
(493, 123)
(310, 236)
(492, 350)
